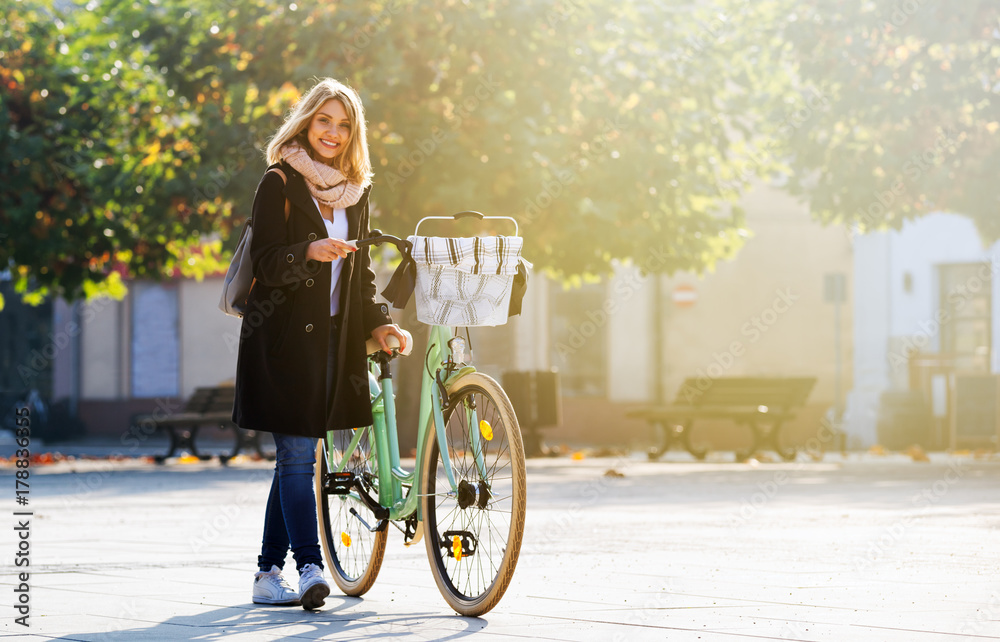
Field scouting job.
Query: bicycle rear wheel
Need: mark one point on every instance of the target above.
(473, 536)
(353, 553)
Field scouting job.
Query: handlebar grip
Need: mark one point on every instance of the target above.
(401, 244)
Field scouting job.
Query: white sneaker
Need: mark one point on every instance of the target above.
(270, 588)
(312, 587)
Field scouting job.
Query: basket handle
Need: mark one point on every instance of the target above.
(465, 214)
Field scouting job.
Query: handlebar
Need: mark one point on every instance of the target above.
(378, 238)
(465, 214)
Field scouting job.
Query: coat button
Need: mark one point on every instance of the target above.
(309, 327)
(309, 283)
(312, 236)
(290, 258)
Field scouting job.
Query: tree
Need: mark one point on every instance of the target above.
(910, 108)
(95, 151)
(604, 129)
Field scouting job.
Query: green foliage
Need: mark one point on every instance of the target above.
(100, 156)
(911, 109)
(132, 132)
(601, 128)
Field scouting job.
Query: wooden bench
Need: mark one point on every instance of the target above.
(764, 404)
(206, 407)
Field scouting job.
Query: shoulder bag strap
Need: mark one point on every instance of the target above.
(285, 181)
(287, 212)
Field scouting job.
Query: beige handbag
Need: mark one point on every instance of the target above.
(239, 277)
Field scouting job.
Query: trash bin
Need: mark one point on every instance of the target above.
(903, 420)
(535, 395)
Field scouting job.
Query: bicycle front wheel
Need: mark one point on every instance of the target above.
(353, 553)
(473, 534)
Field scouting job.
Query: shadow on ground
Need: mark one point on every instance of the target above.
(339, 620)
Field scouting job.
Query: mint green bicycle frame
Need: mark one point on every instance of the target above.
(385, 438)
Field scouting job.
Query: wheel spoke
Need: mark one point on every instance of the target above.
(477, 458)
(353, 552)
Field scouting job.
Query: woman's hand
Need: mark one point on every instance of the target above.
(327, 250)
(380, 333)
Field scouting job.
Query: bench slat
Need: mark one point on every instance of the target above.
(745, 391)
(707, 412)
(762, 403)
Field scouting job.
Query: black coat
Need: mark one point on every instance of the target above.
(282, 364)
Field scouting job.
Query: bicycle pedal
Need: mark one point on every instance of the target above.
(339, 483)
(459, 544)
(414, 532)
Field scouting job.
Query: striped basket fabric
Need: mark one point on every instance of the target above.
(465, 281)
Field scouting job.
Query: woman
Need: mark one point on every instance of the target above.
(302, 364)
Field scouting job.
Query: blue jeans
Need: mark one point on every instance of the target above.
(290, 518)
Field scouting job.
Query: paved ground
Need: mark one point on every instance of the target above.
(867, 548)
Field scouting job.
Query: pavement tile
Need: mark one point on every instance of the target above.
(681, 550)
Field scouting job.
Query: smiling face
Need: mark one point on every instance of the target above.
(329, 131)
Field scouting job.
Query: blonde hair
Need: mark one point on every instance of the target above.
(354, 162)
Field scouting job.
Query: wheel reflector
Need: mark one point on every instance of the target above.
(456, 544)
(486, 430)
(345, 538)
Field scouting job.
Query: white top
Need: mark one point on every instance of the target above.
(335, 230)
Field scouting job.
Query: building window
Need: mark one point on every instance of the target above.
(155, 340)
(966, 304)
(578, 334)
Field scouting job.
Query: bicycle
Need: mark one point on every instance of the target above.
(465, 496)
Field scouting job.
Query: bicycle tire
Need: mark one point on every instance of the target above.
(466, 592)
(353, 554)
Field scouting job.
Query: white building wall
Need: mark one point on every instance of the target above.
(101, 350)
(209, 339)
(919, 248)
(887, 317)
(531, 327)
(630, 343)
(65, 331)
(871, 328)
